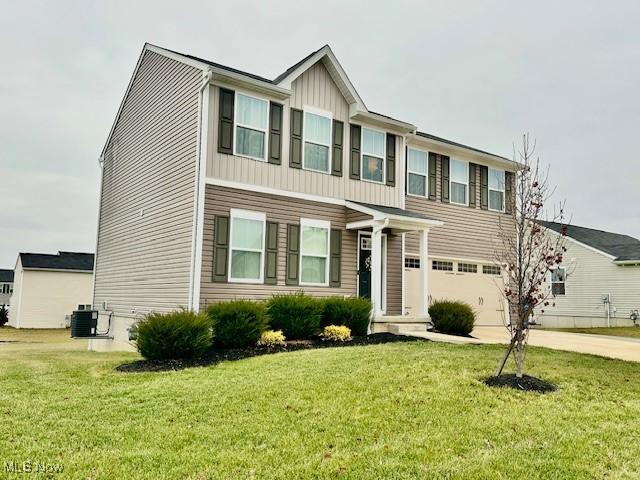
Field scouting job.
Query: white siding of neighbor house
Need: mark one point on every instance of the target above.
(146, 218)
(315, 88)
(43, 298)
(590, 276)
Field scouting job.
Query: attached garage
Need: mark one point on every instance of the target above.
(478, 284)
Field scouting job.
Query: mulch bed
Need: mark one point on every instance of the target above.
(526, 383)
(216, 355)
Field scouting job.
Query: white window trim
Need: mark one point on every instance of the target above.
(308, 222)
(236, 124)
(247, 215)
(551, 282)
(321, 113)
(504, 199)
(426, 175)
(363, 153)
(451, 182)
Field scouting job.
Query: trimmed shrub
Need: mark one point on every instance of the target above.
(354, 312)
(457, 318)
(175, 335)
(297, 315)
(336, 333)
(4, 315)
(271, 338)
(237, 323)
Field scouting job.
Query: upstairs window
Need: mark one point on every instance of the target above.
(314, 252)
(417, 168)
(459, 182)
(373, 155)
(246, 251)
(317, 141)
(558, 279)
(252, 117)
(496, 190)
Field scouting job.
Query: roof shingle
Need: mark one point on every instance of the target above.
(61, 261)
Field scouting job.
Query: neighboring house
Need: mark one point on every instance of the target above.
(221, 184)
(598, 283)
(6, 286)
(48, 288)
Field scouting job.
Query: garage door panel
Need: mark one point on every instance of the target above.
(482, 292)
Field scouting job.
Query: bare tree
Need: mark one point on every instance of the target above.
(529, 253)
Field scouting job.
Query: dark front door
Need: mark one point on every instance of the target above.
(364, 266)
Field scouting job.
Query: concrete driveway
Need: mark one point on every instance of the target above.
(614, 347)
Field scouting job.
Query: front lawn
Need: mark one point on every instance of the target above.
(403, 410)
(633, 332)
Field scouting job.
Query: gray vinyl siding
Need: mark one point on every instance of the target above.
(283, 210)
(467, 232)
(147, 197)
(314, 88)
(590, 276)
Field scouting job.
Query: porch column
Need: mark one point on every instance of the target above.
(376, 270)
(424, 272)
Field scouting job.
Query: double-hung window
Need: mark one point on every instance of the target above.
(496, 190)
(317, 141)
(459, 182)
(246, 252)
(252, 117)
(417, 167)
(314, 252)
(373, 151)
(558, 279)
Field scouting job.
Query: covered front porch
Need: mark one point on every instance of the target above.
(380, 263)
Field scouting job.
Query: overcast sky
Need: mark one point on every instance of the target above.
(478, 72)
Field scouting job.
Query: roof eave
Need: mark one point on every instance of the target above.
(627, 262)
(386, 122)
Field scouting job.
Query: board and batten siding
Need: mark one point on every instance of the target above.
(315, 88)
(284, 211)
(467, 233)
(147, 198)
(592, 275)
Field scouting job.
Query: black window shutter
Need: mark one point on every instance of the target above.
(391, 160)
(484, 187)
(472, 185)
(225, 121)
(295, 150)
(271, 254)
(444, 194)
(336, 154)
(220, 248)
(275, 133)
(293, 254)
(433, 167)
(509, 197)
(335, 273)
(354, 157)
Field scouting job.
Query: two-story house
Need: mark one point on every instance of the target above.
(221, 184)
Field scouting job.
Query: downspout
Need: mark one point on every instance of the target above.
(196, 246)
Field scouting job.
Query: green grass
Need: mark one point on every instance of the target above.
(416, 410)
(633, 332)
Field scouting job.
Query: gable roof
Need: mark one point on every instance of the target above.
(280, 86)
(61, 261)
(622, 247)
(6, 276)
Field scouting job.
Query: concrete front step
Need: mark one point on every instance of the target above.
(401, 328)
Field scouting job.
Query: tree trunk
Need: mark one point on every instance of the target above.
(519, 353)
(505, 357)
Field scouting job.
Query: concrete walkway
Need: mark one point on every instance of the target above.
(606, 346)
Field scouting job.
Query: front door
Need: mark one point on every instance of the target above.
(364, 266)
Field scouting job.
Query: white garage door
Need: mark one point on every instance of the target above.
(473, 283)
